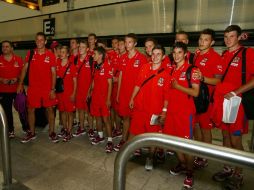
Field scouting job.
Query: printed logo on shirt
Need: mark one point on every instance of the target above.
(182, 76)
(203, 62)
(68, 71)
(136, 63)
(102, 71)
(160, 81)
(87, 64)
(16, 64)
(219, 67)
(235, 62)
(47, 59)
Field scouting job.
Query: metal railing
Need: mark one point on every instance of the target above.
(5, 150)
(209, 151)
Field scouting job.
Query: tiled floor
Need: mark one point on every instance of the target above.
(78, 165)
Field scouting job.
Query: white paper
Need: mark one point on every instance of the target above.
(155, 120)
(230, 109)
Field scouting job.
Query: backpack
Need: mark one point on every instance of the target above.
(203, 99)
(247, 97)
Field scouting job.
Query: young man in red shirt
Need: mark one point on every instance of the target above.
(101, 89)
(232, 86)
(210, 72)
(10, 69)
(41, 88)
(148, 98)
(84, 80)
(66, 99)
(126, 81)
(92, 43)
(181, 109)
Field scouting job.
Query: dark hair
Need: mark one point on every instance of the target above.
(180, 45)
(160, 47)
(83, 42)
(151, 40)
(133, 36)
(209, 31)
(7, 41)
(102, 41)
(75, 40)
(92, 34)
(120, 40)
(41, 34)
(114, 38)
(234, 28)
(183, 32)
(101, 51)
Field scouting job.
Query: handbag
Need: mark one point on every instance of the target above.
(247, 97)
(59, 87)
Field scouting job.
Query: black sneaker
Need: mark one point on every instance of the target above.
(234, 182)
(223, 175)
(179, 169)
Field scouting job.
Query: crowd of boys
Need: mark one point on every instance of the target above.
(129, 93)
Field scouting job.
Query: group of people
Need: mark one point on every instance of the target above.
(130, 93)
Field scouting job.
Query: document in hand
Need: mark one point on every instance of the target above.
(230, 109)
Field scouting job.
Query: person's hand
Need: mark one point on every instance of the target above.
(229, 95)
(6, 81)
(52, 94)
(108, 103)
(20, 88)
(131, 104)
(197, 74)
(174, 83)
(162, 117)
(73, 97)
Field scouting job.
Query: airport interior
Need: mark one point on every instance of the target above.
(79, 165)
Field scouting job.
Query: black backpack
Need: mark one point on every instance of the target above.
(203, 99)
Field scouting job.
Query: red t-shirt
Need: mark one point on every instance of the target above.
(100, 89)
(71, 72)
(234, 74)
(151, 96)
(129, 75)
(8, 70)
(84, 79)
(210, 64)
(166, 63)
(40, 73)
(178, 101)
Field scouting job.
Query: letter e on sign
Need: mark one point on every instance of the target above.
(49, 27)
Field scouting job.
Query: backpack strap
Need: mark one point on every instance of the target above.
(244, 66)
(152, 76)
(191, 58)
(226, 71)
(66, 70)
(29, 62)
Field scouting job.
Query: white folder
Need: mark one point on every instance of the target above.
(230, 109)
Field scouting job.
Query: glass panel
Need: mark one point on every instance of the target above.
(195, 15)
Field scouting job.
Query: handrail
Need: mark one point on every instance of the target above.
(214, 152)
(5, 149)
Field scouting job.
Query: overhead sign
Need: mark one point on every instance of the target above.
(49, 26)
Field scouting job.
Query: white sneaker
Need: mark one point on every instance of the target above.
(149, 164)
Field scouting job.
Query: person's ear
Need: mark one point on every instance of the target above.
(213, 42)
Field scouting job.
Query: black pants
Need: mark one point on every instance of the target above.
(6, 100)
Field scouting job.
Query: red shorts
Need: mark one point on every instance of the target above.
(179, 124)
(99, 110)
(37, 98)
(81, 103)
(140, 123)
(204, 119)
(124, 109)
(114, 104)
(239, 127)
(65, 104)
